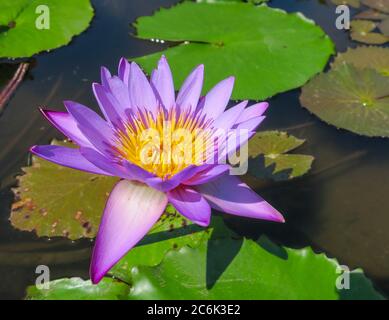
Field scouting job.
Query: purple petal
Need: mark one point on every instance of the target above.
(207, 175)
(190, 91)
(191, 205)
(124, 70)
(228, 118)
(250, 125)
(97, 131)
(217, 99)
(162, 81)
(165, 185)
(141, 94)
(256, 110)
(105, 76)
(67, 157)
(113, 111)
(229, 194)
(235, 139)
(64, 122)
(131, 210)
(105, 163)
(120, 91)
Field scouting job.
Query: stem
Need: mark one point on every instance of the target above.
(12, 85)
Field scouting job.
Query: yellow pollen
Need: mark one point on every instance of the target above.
(166, 143)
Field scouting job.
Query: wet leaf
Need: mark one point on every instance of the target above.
(361, 31)
(352, 3)
(371, 14)
(268, 158)
(260, 46)
(19, 34)
(57, 201)
(381, 5)
(78, 289)
(230, 269)
(172, 231)
(350, 98)
(365, 57)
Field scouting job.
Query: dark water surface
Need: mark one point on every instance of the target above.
(340, 208)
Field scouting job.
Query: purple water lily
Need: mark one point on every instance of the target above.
(131, 104)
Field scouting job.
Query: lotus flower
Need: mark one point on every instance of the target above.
(113, 146)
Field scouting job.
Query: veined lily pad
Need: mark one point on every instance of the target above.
(381, 5)
(78, 289)
(361, 31)
(352, 3)
(268, 158)
(350, 98)
(365, 57)
(57, 201)
(31, 26)
(229, 269)
(260, 46)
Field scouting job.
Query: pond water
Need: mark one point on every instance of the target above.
(341, 207)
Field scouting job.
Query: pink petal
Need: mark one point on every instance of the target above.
(162, 81)
(217, 99)
(131, 210)
(229, 194)
(191, 205)
(190, 91)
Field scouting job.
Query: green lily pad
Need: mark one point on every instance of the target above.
(259, 45)
(380, 5)
(350, 98)
(227, 269)
(371, 14)
(258, 270)
(57, 201)
(268, 158)
(365, 57)
(172, 232)
(352, 3)
(78, 289)
(361, 31)
(20, 36)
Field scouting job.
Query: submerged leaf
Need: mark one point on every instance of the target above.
(31, 26)
(352, 3)
(381, 5)
(361, 31)
(260, 46)
(365, 57)
(268, 159)
(371, 14)
(57, 201)
(384, 27)
(350, 98)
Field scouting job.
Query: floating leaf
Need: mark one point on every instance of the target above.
(78, 289)
(21, 33)
(352, 3)
(361, 31)
(381, 5)
(225, 269)
(371, 14)
(350, 98)
(365, 57)
(269, 161)
(260, 46)
(228, 269)
(384, 27)
(172, 231)
(57, 201)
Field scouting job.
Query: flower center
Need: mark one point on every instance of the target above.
(165, 143)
